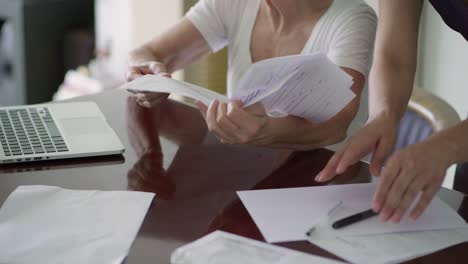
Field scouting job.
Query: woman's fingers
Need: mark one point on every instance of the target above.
(213, 126)
(389, 175)
(202, 107)
(151, 67)
(329, 172)
(149, 99)
(425, 200)
(407, 199)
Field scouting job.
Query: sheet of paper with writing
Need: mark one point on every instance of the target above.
(221, 247)
(286, 214)
(392, 248)
(307, 86)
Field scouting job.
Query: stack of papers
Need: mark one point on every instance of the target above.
(287, 214)
(221, 247)
(45, 224)
(307, 86)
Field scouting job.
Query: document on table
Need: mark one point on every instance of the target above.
(392, 248)
(307, 86)
(221, 247)
(45, 224)
(286, 214)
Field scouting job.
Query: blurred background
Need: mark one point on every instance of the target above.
(41, 40)
(59, 49)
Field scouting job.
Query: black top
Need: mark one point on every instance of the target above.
(454, 13)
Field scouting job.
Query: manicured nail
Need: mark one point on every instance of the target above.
(395, 219)
(375, 206)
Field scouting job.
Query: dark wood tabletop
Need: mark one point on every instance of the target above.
(169, 152)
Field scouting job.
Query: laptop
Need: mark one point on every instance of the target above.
(55, 131)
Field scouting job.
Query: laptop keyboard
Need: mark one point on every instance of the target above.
(29, 131)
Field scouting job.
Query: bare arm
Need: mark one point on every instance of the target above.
(234, 125)
(176, 48)
(390, 86)
(395, 58)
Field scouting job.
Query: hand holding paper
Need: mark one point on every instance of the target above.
(147, 99)
(306, 86)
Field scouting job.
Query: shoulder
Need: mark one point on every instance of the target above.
(225, 12)
(225, 7)
(346, 10)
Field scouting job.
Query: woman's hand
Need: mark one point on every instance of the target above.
(377, 137)
(419, 168)
(147, 99)
(234, 125)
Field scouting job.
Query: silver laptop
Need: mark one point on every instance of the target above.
(55, 131)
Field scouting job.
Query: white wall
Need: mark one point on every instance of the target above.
(151, 17)
(443, 61)
(443, 66)
(122, 25)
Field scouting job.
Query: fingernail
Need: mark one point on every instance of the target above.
(375, 206)
(318, 178)
(395, 219)
(384, 217)
(340, 169)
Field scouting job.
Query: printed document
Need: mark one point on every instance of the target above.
(46, 224)
(286, 214)
(392, 248)
(221, 247)
(307, 86)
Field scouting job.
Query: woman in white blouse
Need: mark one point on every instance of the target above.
(255, 30)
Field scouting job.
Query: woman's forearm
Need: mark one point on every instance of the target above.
(176, 48)
(391, 88)
(395, 58)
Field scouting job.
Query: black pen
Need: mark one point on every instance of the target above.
(354, 218)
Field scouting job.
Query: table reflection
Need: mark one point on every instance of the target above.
(195, 177)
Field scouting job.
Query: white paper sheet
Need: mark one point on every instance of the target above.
(307, 86)
(154, 83)
(45, 224)
(221, 247)
(392, 248)
(286, 214)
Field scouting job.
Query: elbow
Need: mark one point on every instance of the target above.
(339, 129)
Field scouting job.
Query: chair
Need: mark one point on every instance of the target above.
(426, 114)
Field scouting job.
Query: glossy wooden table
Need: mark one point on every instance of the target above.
(170, 153)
